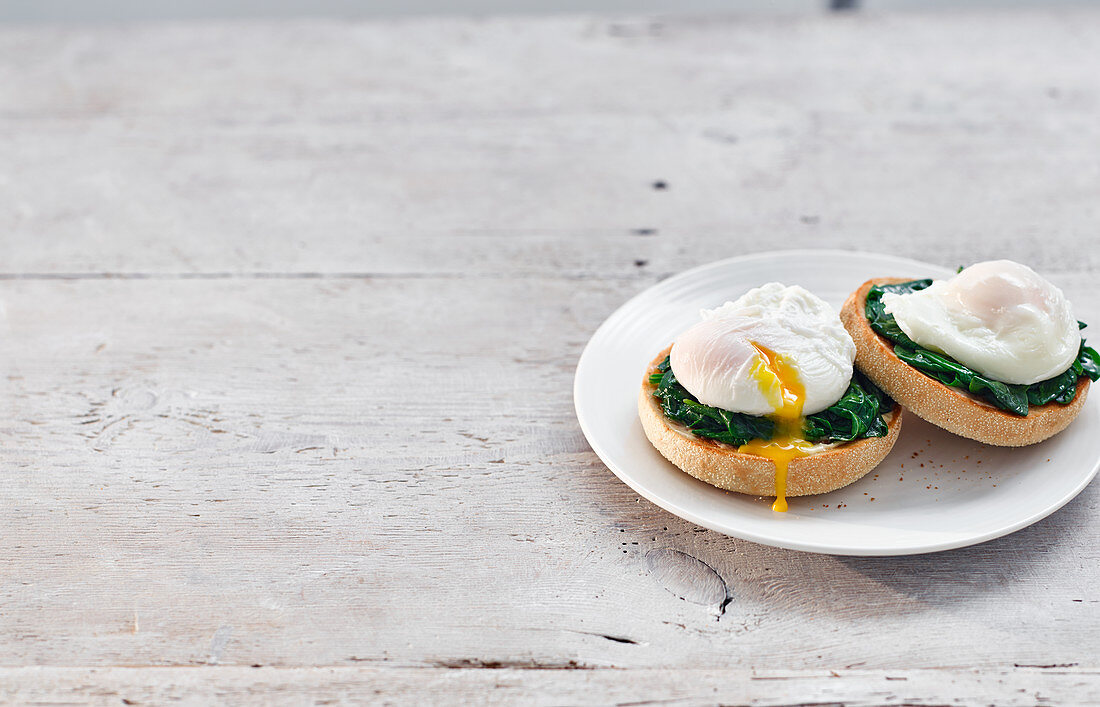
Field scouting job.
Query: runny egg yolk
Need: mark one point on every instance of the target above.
(780, 384)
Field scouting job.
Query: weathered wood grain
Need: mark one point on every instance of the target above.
(289, 320)
(299, 472)
(200, 686)
(533, 146)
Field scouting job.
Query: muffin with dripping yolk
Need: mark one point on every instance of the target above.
(778, 352)
(780, 385)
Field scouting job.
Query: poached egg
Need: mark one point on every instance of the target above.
(776, 351)
(999, 318)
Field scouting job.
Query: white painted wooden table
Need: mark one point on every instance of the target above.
(291, 312)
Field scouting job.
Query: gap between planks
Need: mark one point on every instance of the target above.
(196, 685)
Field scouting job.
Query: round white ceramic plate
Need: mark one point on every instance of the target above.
(934, 492)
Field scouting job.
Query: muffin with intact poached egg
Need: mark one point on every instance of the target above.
(993, 354)
(761, 397)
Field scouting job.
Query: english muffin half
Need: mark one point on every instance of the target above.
(952, 408)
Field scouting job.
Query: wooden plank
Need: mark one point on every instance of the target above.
(288, 344)
(316, 472)
(1027, 686)
(533, 147)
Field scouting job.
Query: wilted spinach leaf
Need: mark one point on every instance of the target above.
(679, 405)
(857, 414)
(883, 322)
(1089, 361)
(946, 370)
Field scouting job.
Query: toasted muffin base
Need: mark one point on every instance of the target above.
(941, 404)
(727, 469)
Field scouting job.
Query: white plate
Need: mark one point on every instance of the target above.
(934, 492)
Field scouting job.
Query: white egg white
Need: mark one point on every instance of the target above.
(713, 359)
(999, 318)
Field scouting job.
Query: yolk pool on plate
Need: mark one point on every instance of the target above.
(780, 384)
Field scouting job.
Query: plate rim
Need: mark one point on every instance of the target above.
(806, 546)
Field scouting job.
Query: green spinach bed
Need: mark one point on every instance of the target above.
(1006, 396)
(857, 414)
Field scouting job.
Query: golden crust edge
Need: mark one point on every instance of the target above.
(943, 405)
